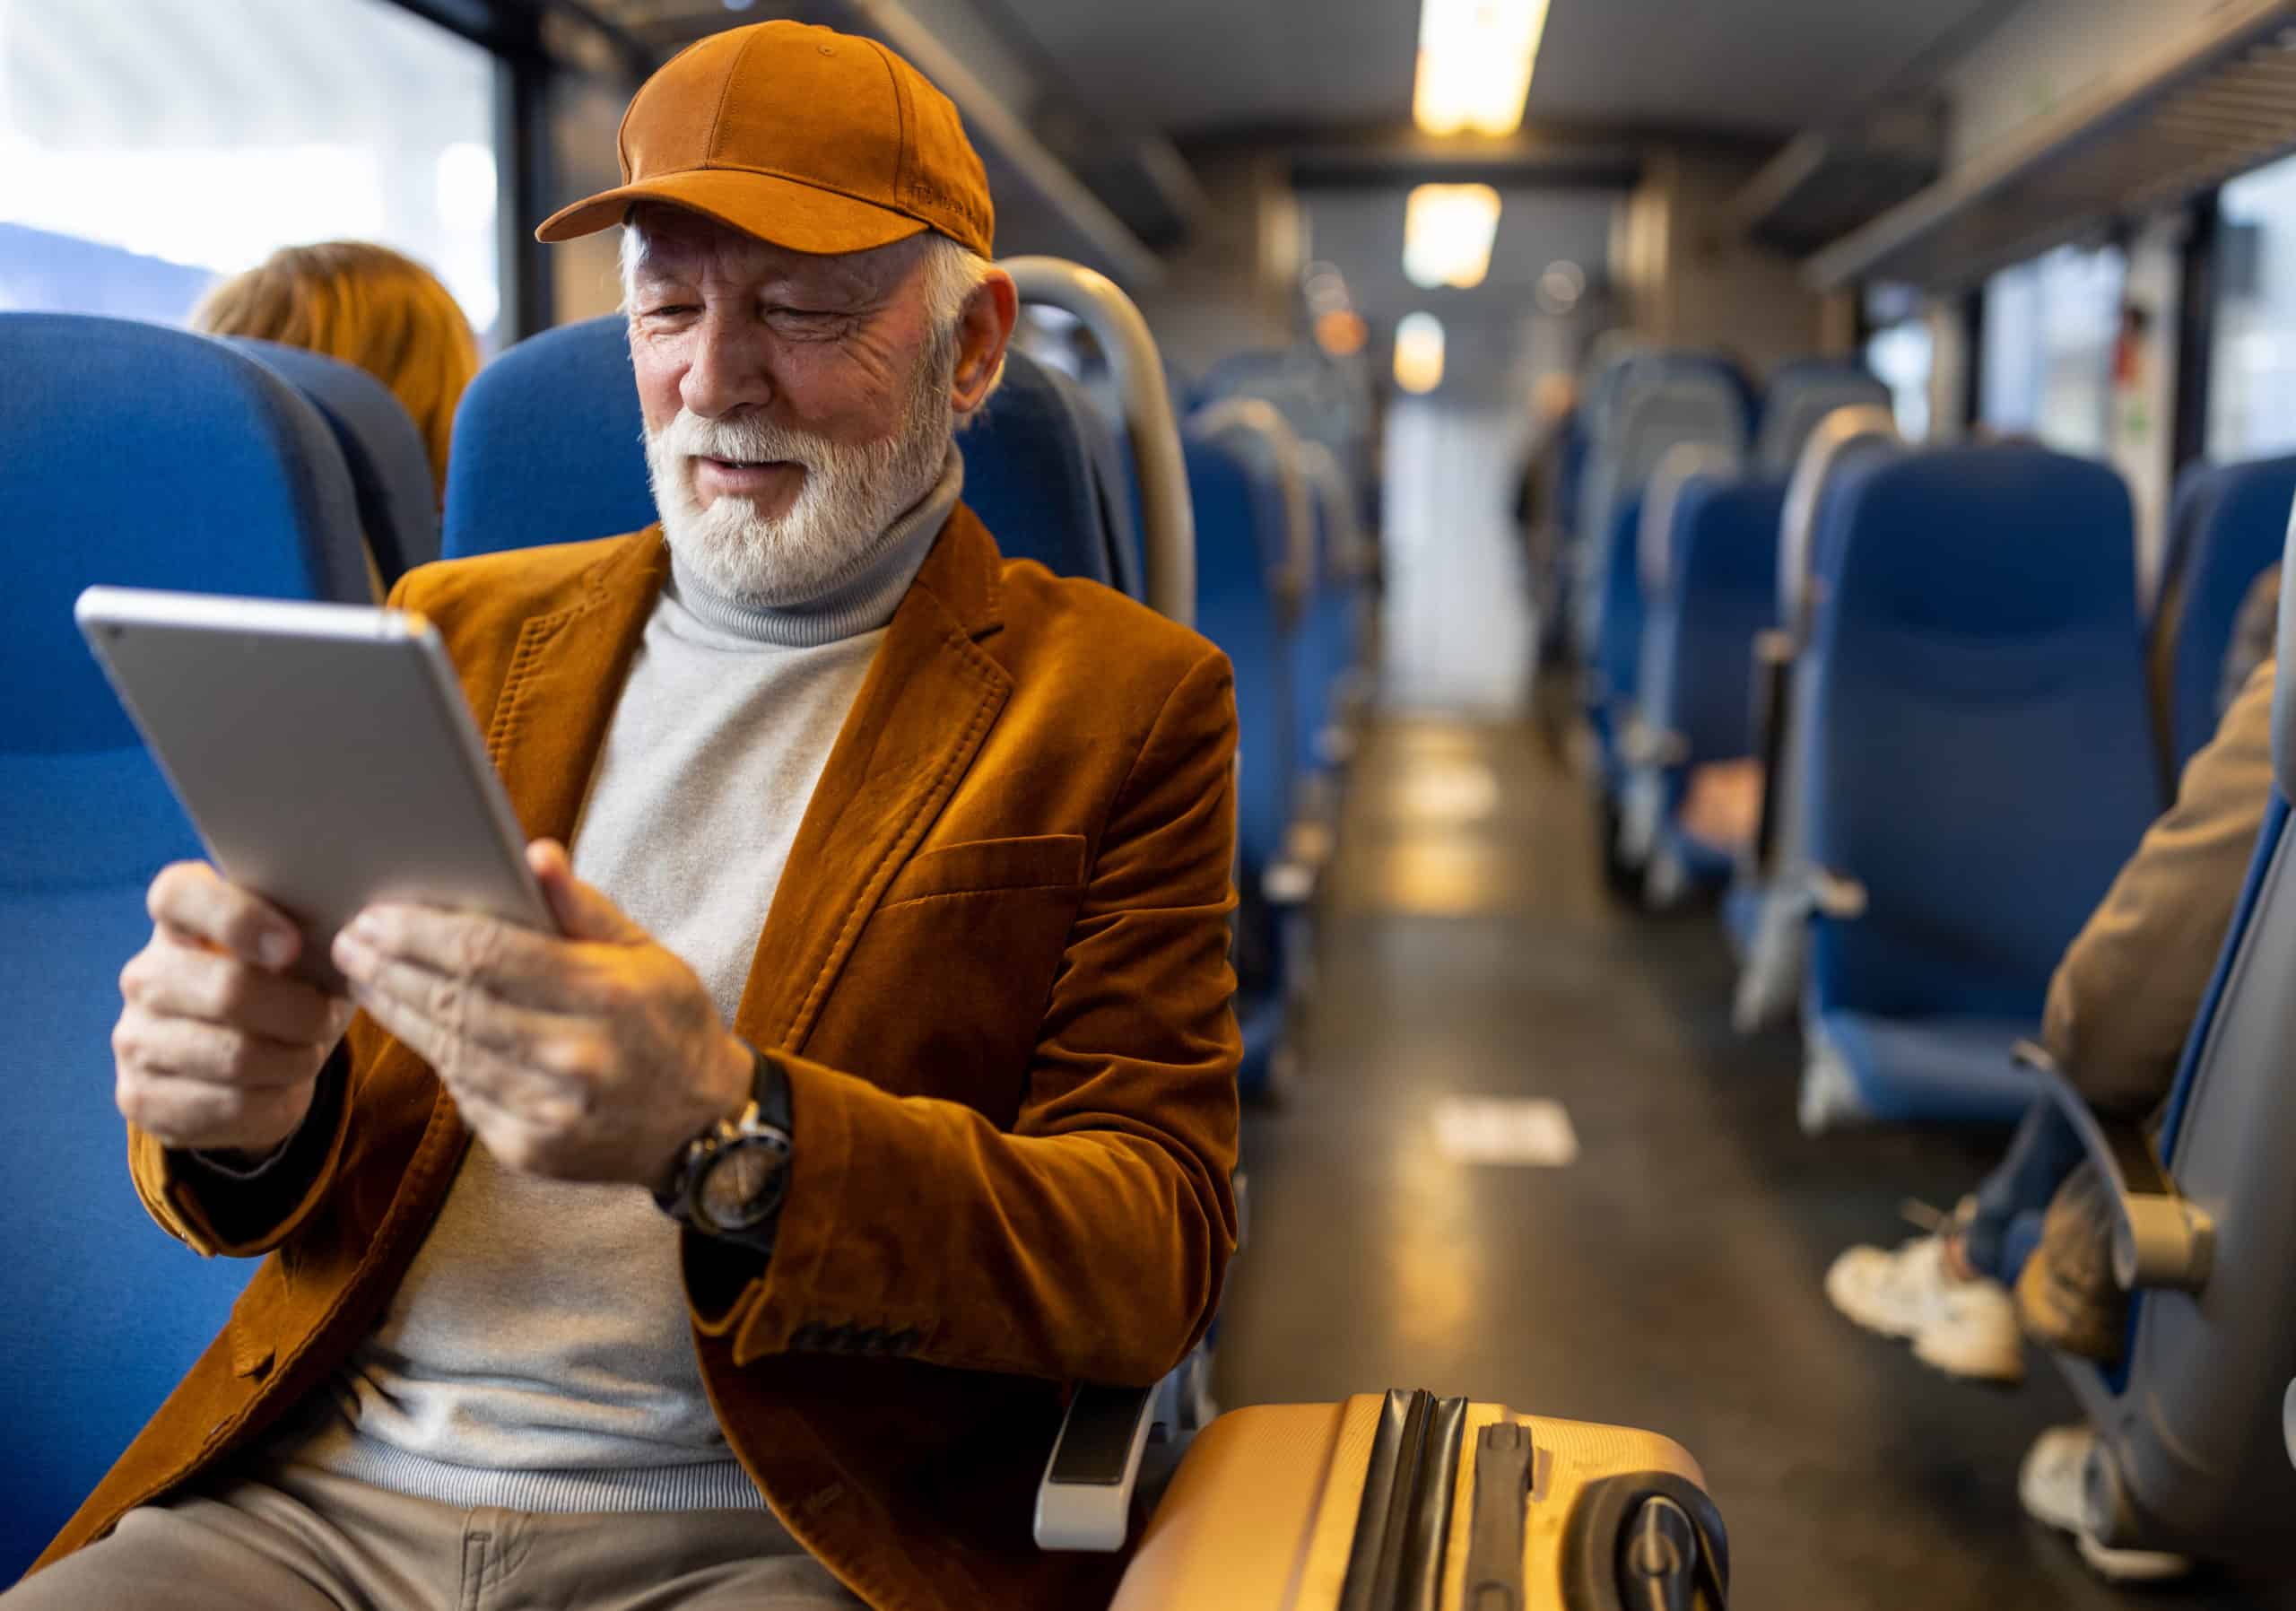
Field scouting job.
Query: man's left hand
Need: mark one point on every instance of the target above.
(590, 1055)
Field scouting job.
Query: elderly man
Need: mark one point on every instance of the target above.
(880, 1079)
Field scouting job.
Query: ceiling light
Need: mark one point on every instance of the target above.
(1474, 64)
(1561, 287)
(1447, 234)
(1419, 352)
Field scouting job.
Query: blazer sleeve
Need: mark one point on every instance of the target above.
(1088, 1241)
(2124, 999)
(218, 1213)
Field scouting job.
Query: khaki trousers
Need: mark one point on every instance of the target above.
(286, 1537)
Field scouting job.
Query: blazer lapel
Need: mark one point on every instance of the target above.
(565, 676)
(930, 698)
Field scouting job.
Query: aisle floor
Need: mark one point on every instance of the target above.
(1669, 1278)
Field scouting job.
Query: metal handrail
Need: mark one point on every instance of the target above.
(1261, 425)
(1166, 518)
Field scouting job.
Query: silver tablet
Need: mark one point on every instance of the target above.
(323, 751)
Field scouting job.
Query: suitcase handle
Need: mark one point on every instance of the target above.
(1504, 1462)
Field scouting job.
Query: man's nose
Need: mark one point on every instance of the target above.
(727, 374)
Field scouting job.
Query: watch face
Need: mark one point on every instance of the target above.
(744, 1184)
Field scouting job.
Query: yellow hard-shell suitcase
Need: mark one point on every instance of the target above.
(1407, 1502)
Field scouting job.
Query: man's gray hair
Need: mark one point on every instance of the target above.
(952, 272)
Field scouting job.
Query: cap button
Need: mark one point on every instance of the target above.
(826, 49)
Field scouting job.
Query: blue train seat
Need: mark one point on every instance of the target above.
(1801, 393)
(1039, 469)
(2192, 1445)
(1243, 605)
(235, 485)
(1767, 910)
(549, 444)
(2230, 523)
(1716, 590)
(1659, 403)
(390, 467)
(1977, 648)
(549, 448)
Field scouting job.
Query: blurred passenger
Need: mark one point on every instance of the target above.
(364, 305)
(2030, 1249)
(732, 1244)
(2254, 628)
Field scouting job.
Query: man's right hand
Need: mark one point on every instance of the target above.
(217, 1048)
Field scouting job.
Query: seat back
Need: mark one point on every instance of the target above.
(1977, 652)
(1659, 401)
(1800, 395)
(2191, 1452)
(1241, 607)
(549, 444)
(1038, 477)
(234, 485)
(1719, 591)
(390, 467)
(1640, 557)
(2235, 519)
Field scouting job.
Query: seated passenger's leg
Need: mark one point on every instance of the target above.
(1948, 1291)
(2049, 1485)
(2004, 1222)
(254, 1539)
(2066, 1296)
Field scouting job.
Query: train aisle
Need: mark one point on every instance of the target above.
(1668, 1275)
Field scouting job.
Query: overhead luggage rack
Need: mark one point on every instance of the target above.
(2217, 103)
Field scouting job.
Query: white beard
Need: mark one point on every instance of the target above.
(850, 496)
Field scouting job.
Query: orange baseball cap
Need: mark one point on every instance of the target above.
(805, 137)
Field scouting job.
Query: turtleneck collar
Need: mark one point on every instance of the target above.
(862, 601)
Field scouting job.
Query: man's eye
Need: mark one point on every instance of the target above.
(666, 310)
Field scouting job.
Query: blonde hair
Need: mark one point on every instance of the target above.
(366, 305)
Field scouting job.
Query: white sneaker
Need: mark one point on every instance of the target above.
(2051, 1486)
(1962, 1327)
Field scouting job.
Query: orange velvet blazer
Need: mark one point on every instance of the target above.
(997, 968)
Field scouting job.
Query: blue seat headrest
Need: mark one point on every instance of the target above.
(550, 447)
(139, 456)
(1954, 537)
(549, 444)
(1035, 476)
(390, 464)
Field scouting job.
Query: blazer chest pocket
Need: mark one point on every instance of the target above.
(945, 993)
(1045, 861)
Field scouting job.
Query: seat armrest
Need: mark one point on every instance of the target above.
(1836, 895)
(1084, 1501)
(1773, 713)
(1643, 745)
(2160, 1239)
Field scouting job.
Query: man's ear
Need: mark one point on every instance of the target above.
(983, 328)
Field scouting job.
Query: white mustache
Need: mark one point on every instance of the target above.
(743, 441)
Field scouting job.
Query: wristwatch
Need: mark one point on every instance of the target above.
(729, 1182)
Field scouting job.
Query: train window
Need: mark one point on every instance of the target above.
(151, 149)
(1900, 357)
(2048, 364)
(2252, 365)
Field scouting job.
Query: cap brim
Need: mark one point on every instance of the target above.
(783, 212)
